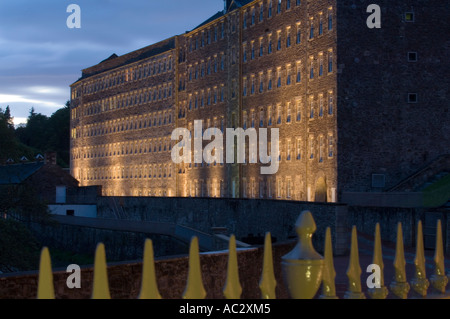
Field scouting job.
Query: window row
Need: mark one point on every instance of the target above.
(211, 65)
(291, 111)
(136, 172)
(155, 119)
(206, 97)
(142, 71)
(266, 9)
(126, 148)
(144, 96)
(205, 37)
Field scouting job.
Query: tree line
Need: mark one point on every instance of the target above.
(39, 135)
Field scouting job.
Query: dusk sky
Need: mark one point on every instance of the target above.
(40, 56)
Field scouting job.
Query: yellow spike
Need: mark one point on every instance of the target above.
(194, 288)
(329, 273)
(268, 282)
(400, 287)
(420, 282)
(439, 280)
(232, 288)
(354, 271)
(100, 288)
(45, 281)
(382, 292)
(149, 286)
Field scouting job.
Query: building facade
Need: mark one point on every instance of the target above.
(346, 99)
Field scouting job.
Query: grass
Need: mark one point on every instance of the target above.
(438, 193)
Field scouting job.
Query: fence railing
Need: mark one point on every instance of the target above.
(304, 270)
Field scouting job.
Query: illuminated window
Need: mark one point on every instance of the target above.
(288, 149)
(311, 147)
(279, 77)
(279, 188)
(261, 12)
(298, 116)
(244, 120)
(409, 16)
(330, 103)
(269, 11)
(288, 4)
(279, 113)
(261, 83)
(279, 6)
(252, 56)
(269, 116)
(320, 64)
(252, 90)
(330, 146)
(269, 49)
(279, 40)
(288, 37)
(298, 77)
(269, 83)
(321, 148)
(311, 70)
(298, 37)
(288, 188)
(244, 92)
(330, 61)
(288, 74)
(299, 149)
(244, 50)
(320, 105)
(261, 47)
(311, 29)
(288, 112)
(311, 108)
(330, 19)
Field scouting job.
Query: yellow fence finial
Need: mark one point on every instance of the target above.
(382, 291)
(268, 282)
(194, 287)
(149, 286)
(439, 280)
(233, 287)
(329, 273)
(100, 288)
(354, 271)
(45, 281)
(400, 287)
(420, 282)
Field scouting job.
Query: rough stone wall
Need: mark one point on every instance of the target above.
(119, 246)
(379, 131)
(171, 274)
(240, 217)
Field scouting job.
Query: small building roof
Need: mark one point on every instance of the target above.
(17, 173)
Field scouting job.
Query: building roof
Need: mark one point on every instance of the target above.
(17, 173)
(115, 61)
(214, 17)
(233, 5)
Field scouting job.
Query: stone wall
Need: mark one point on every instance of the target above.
(380, 132)
(241, 217)
(171, 274)
(119, 245)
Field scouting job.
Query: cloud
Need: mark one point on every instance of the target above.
(40, 57)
